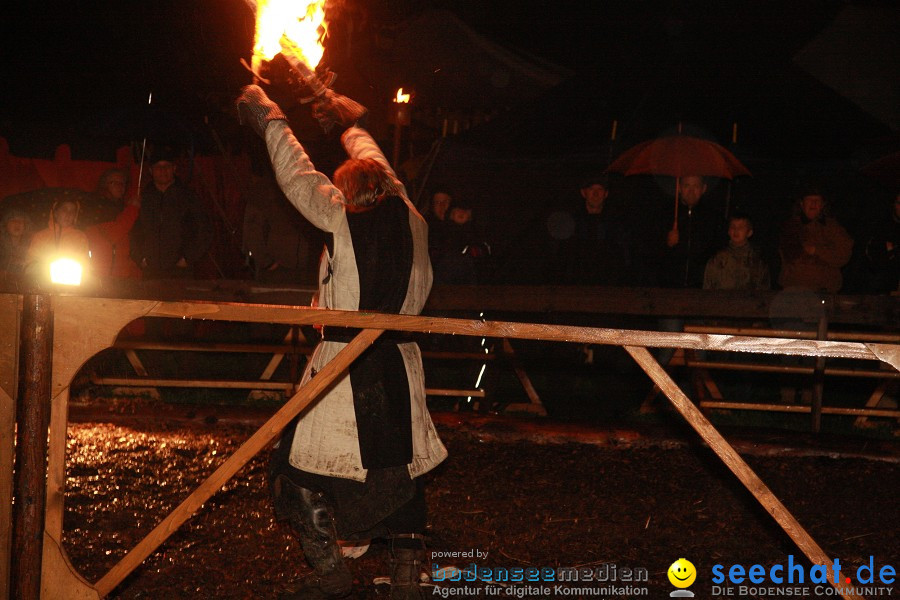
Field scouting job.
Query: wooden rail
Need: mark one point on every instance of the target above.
(817, 372)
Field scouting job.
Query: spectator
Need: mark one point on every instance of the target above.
(691, 242)
(277, 239)
(593, 240)
(440, 204)
(172, 233)
(15, 236)
(109, 239)
(882, 252)
(437, 220)
(739, 266)
(688, 247)
(813, 247)
(60, 239)
(462, 256)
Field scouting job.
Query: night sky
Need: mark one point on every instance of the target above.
(647, 64)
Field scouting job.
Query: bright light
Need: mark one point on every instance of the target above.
(65, 271)
(401, 97)
(301, 23)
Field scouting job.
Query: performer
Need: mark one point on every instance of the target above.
(348, 467)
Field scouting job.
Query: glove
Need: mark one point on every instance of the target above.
(255, 109)
(332, 108)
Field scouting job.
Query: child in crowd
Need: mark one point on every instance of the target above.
(739, 265)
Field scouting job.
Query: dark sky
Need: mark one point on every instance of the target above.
(640, 61)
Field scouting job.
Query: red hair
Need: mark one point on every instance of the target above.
(363, 181)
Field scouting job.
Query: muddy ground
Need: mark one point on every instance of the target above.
(517, 502)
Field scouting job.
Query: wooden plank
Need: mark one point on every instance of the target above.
(56, 464)
(847, 336)
(733, 461)
(852, 309)
(881, 310)
(253, 385)
(818, 383)
(85, 326)
(760, 368)
(259, 440)
(82, 328)
(136, 363)
(9, 357)
(277, 357)
(534, 398)
(872, 402)
(557, 333)
(192, 383)
(132, 345)
(452, 392)
(795, 408)
(59, 579)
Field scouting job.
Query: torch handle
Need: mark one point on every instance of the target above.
(303, 71)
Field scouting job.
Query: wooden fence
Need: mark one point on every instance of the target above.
(58, 333)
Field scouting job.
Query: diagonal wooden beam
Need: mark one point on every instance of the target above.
(259, 440)
(733, 460)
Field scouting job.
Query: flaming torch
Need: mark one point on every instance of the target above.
(303, 26)
(297, 31)
(400, 117)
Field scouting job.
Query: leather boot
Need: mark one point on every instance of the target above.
(313, 520)
(406, 566)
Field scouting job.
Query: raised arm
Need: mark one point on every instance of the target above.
(358, 143)
(308, 190)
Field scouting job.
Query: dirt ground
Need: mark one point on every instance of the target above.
(510, 502)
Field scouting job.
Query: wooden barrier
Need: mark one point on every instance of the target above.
(83, 326)
(144, 380)
(816, 372)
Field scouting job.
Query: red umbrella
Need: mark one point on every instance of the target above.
(679, 156)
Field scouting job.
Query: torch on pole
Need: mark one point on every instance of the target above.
(400, 117)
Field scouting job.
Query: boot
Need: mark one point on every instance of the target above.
(313, 520)
(407, 558)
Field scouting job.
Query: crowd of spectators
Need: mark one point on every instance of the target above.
(163, 233)
(596, 242)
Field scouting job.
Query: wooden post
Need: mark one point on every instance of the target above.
(294, 373)
(734, 462)
(9, 360)
(819, 375)
(32, 421)
(234, 463)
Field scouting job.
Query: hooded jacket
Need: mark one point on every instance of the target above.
(55, 241)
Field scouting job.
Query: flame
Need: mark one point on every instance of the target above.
(401, 97)
(302, 23)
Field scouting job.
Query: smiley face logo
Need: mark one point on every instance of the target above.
(682, 573)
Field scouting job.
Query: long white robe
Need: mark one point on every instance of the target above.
(326, 438)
